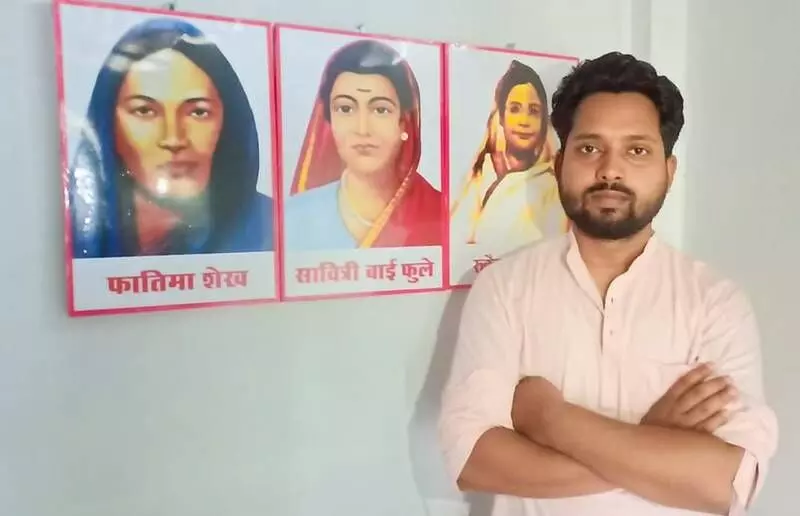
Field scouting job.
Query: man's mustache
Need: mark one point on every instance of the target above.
(615, 187)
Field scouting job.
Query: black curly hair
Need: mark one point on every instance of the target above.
(618, 73)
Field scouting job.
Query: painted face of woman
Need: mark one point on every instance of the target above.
(168, 121)
(522, 119)
(366, 123)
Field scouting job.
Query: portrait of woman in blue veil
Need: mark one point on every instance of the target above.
(168, 157)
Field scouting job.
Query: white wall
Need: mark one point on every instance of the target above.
(298, 410)
(742, 196)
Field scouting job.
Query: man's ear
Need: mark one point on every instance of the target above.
(672, 166)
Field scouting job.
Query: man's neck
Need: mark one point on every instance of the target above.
(608, 259)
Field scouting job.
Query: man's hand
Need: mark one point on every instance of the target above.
(536, 403)
(518, 463)
(694, 402)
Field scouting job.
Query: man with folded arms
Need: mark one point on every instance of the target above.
(605, 373)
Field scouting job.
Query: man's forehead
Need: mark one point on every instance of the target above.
(628, 115)
(626, 135)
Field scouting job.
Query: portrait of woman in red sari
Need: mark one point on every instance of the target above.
(356, 183)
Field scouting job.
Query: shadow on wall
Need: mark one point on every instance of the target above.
(437, 490)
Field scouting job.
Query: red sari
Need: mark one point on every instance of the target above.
(416, 214)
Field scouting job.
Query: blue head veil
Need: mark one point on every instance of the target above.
(100, 191)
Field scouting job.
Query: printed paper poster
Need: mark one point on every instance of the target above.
(503, 192)
(361, 135)
(168, 164)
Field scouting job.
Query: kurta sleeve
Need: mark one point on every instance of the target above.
(479, 392)
(731, 342)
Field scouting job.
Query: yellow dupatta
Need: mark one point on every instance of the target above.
(494, 144)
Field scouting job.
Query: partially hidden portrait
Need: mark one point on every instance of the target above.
(359, 186)
(170, 162)
(504, 195)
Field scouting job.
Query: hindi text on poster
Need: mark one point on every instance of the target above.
(156, 281)
(352, 270)
(364, 271)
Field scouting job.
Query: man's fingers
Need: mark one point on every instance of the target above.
(700, 392)
(711, 424)
(710, 407)
(689, 380)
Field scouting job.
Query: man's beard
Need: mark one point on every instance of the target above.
(611, 227)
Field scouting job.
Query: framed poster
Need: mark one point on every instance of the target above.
(167, 158)
(503, 193)
(362, 174)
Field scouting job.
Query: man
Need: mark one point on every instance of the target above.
(603, 372)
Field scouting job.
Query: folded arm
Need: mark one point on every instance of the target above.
(481, 449)
(506, 462)
(672, 467)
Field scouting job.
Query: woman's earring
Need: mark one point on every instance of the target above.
(404, 136)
